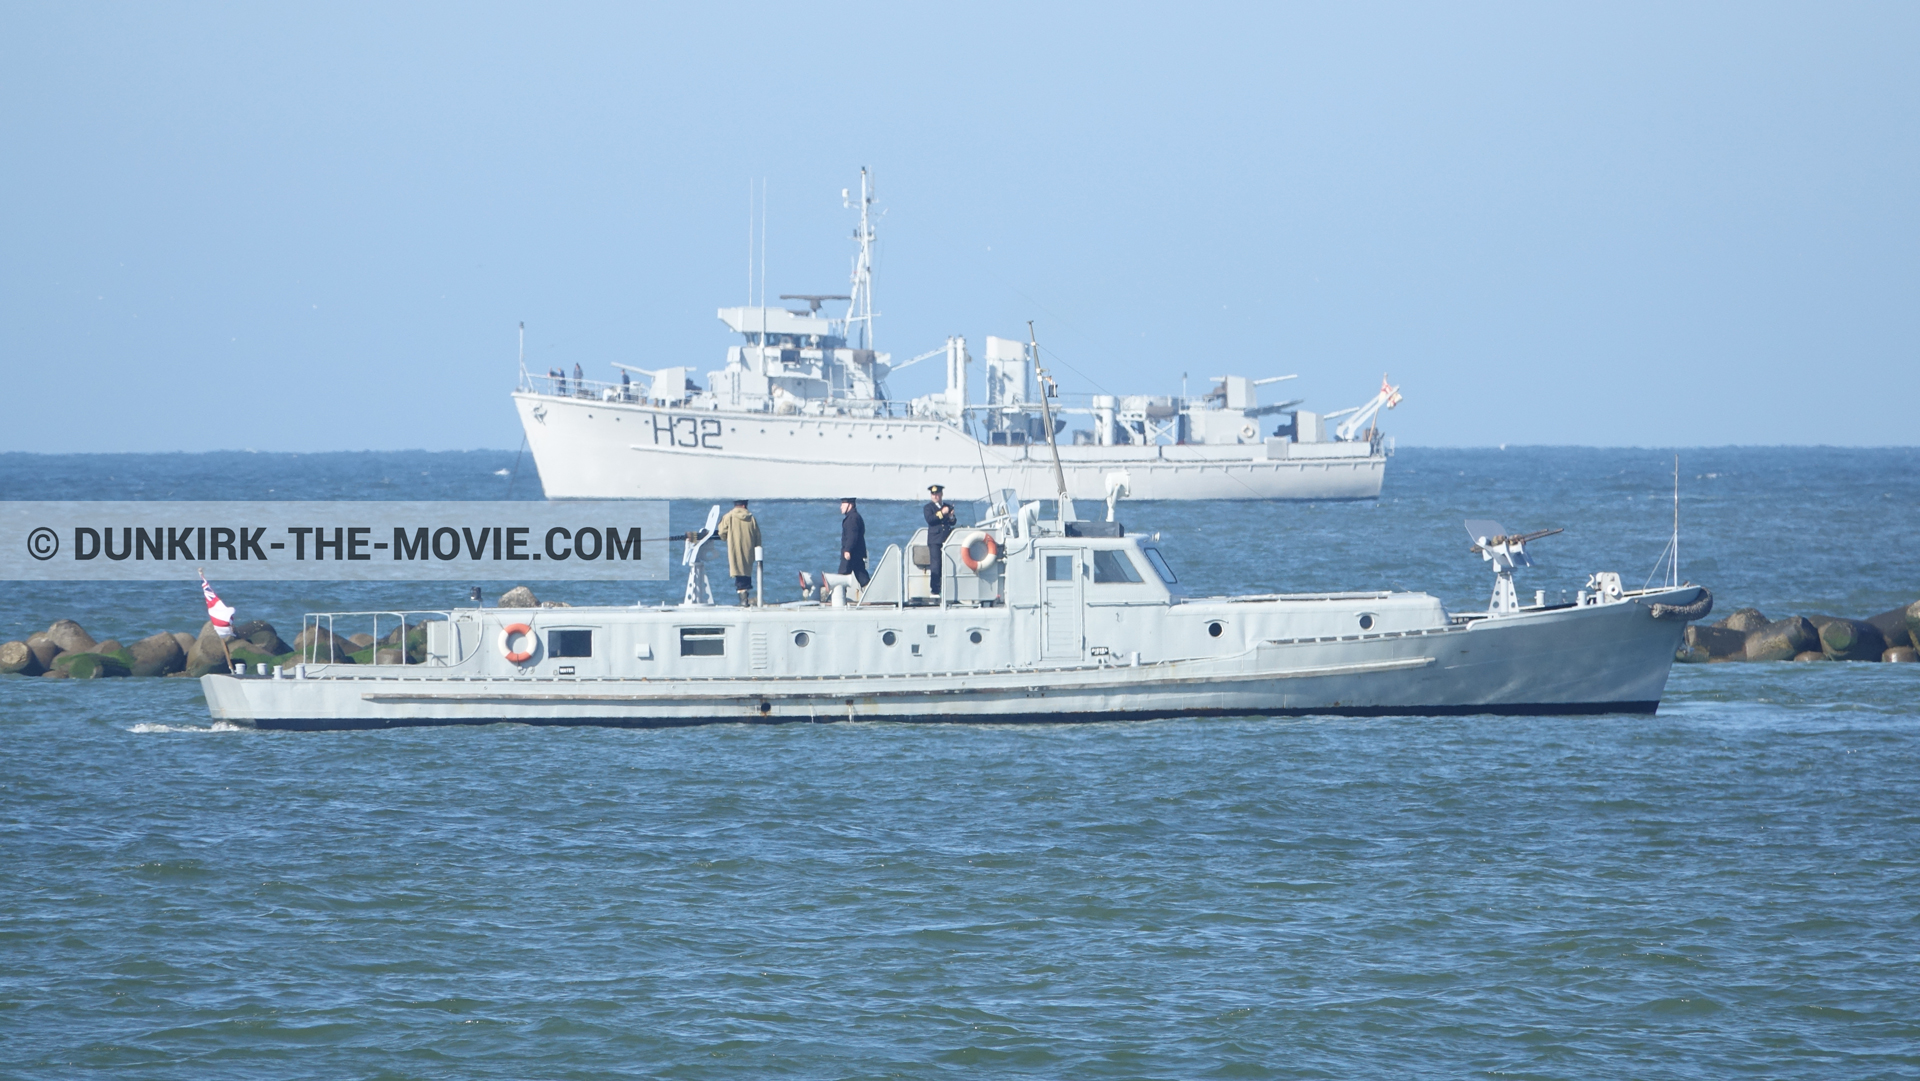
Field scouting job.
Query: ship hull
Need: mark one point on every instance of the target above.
(1566, 661)
(588, 448)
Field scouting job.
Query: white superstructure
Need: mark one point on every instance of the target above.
(801, 409)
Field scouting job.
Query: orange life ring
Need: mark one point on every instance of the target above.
(506, 639)
(985, 561)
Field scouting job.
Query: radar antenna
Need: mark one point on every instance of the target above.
(814, 300)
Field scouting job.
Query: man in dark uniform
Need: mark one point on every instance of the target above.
(853, 542)
(939, 516)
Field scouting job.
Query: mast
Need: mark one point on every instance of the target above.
(1046, 419)
(860, 308)
(763, 274)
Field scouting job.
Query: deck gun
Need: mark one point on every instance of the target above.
(1505, 551)
(699, 551)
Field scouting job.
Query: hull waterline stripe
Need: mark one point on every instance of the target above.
(1518, 709)
(763, 691)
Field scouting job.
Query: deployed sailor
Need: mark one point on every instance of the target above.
(939, 516)
(742, 534)
(853, 541)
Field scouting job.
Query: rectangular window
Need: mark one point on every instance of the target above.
(569, 643)
(1111, 566)
(1160, 565)
(1059, 568)
(703, 641)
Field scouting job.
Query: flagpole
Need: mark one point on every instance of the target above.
(224, 647)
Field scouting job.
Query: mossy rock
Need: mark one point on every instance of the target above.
(416, 654)
(96, 665)
(416, 639)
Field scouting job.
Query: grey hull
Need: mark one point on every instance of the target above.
(1572, 660)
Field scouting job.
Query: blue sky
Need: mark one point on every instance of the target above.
(248, 226)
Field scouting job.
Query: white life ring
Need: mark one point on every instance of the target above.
(966, 550)
(507, 634)
(1248, 431)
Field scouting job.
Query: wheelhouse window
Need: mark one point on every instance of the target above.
(703, 641)
(1059, 568)
(1113, 566)
(1160, 565)
(569, 643)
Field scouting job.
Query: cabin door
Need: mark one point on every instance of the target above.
(1061, 608)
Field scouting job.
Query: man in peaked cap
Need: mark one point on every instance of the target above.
(853, 541)
(939, 515)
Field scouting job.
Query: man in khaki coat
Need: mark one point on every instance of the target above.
(742, 534)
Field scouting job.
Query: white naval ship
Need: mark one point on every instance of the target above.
(801, 410)
(1039, 621)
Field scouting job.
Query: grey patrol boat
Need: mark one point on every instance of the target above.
(1040, 620)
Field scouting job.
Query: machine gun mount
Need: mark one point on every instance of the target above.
(1505, 551)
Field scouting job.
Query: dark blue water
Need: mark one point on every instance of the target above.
(1731, 887)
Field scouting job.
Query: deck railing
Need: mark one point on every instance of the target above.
(404, 622)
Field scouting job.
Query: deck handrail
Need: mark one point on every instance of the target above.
(316, 620)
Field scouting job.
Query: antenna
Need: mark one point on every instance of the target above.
(860, 308)
(1046, 418)
(763, 273)
(814, 299)
(749, 241)
(526, 383)
(1674, 577)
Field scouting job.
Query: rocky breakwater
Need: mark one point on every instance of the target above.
(1892, 637)
(66, 651)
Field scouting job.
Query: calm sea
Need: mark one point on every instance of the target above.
(1731, 887)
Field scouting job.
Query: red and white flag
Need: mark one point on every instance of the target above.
(1392, 393)
(217, 610)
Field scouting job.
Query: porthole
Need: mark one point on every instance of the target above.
(888, 638)
(802, 638)
(974, 637)
(1366, 622)
(1214, 629)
